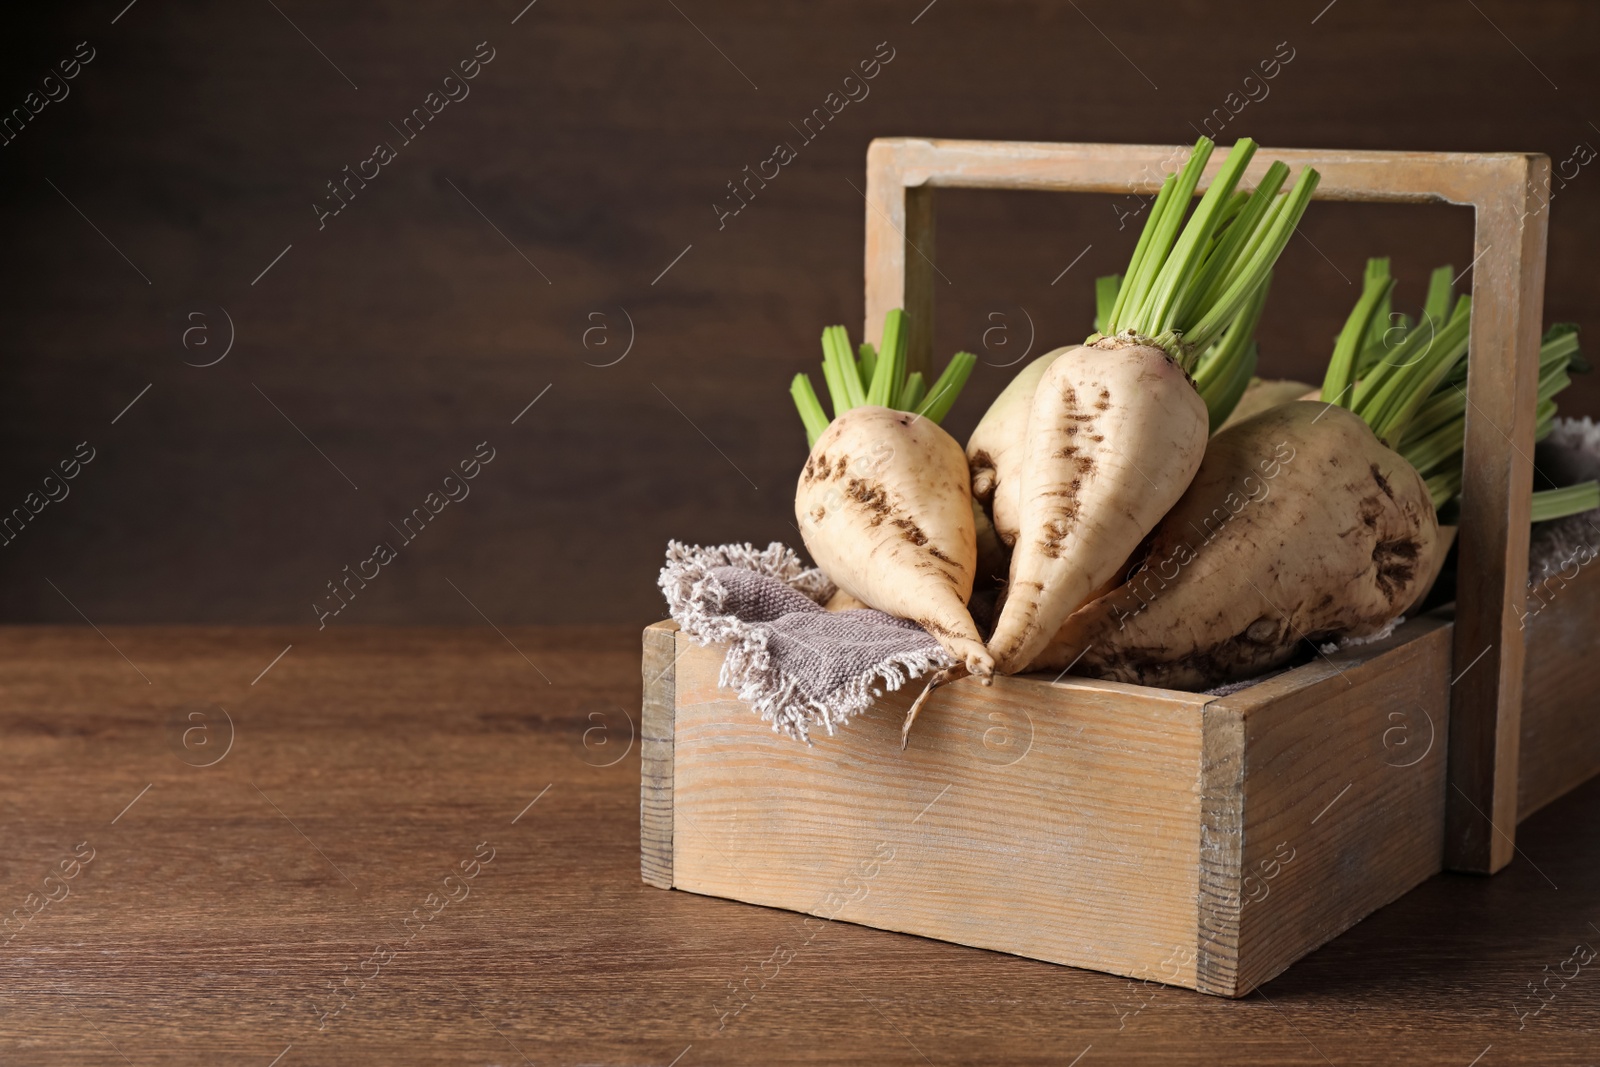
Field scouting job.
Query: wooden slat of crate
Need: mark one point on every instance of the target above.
(1344, 770)
(1088, 823)
(655, 753)
(1069, 836)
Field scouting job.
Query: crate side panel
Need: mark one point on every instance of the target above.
(1221, 832)
(655, 753)
(1051, 822)
(1344, 798)
(1560, 727)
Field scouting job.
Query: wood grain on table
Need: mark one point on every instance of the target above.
(422, 847)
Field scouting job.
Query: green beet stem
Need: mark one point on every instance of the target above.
(1553, 380)
(1438, 447)
(877, 377)
(838, 394)
(1569, 500)
(1372, 347)
(837, 344)
(1444, 486)
(868, 362)
(1225, 369)
(1183, 287)
(1171, 285)
(1141, 286)
(1253, 274)
(943, 392)
(1440, 289)
(1340, 379)
(1249, 243)
(1105, 298)
(1405, 392)
(1418, 350)
(1544, 420)
(911, 393)
(1236, 203)
(1413, 394)
(810, 408)
(1213, 275)
(1561, 343)
(1221, 402)
(891, 360)
(1141, 250)
(1444, 405)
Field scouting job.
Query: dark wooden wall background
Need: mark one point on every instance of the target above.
(594, 144)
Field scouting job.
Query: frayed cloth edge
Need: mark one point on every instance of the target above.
(695, 600)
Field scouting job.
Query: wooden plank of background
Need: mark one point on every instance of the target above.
(1344, 788)
(409, 329)
(1221, 846)
(655, 753)
(1057, 822)
(1492, 567)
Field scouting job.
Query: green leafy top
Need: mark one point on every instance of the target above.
(1182, 290)
(1408, 380)
(876, 376)
(1223, 371)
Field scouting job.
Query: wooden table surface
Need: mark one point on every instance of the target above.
(421, 846)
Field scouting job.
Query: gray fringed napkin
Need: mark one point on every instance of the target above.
(795, 663)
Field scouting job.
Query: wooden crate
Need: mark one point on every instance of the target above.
(1206, 842)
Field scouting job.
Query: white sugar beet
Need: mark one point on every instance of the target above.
(1300, 526)
(885, 510)
(994, 452)
(1114, 435)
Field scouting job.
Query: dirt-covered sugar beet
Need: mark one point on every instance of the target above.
(1298, 526)
(884, 507)
(1115, 433)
